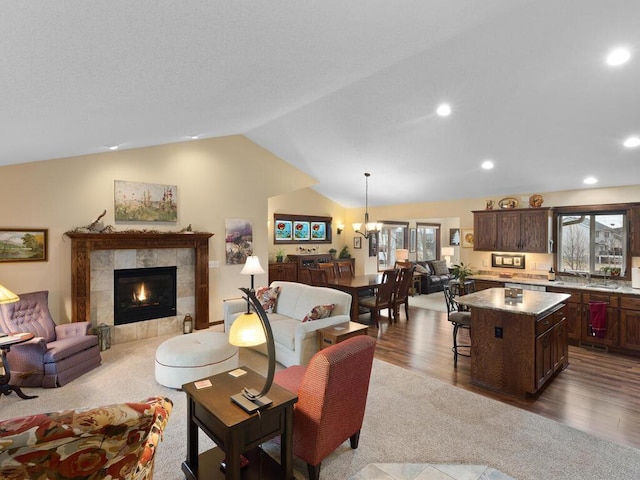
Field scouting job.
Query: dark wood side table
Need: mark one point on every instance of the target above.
(338, 333)
(5, 377)
(236, 432)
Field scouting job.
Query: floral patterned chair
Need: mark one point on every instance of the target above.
(111, 442)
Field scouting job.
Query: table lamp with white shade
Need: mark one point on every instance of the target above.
(7, 296)
(402, 254)
(447, 253)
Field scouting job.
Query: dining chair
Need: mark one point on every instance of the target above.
(459, 319)
(401, 295)
(330, 269)
(383, 297)
(345, 268)
(318, 277)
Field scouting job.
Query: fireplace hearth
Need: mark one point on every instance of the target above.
(144, 294)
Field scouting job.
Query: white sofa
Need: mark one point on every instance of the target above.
(296, 341)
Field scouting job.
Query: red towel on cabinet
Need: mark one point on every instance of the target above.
(598, 311)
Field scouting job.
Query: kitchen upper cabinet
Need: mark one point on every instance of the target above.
(485, 230)
(523, 230)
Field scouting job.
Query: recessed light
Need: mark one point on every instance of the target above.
(632, 142)
(618, 56)
(444, 110)
(487, 164)
(193, 137)
(113, 147)
(590, 180)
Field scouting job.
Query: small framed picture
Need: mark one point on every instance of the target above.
(454, 236)
(467, 238)
(357, 242)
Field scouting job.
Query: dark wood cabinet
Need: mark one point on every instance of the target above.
(522, 230)
(611, 338)
(306, 261)
(552, 351)
(485, 230)
(283, 272)
(630, 323)
(573, 313)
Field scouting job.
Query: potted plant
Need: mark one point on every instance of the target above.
(344, 253)
(280, 254)
(332, 252)
(615, 271)
(462, 271)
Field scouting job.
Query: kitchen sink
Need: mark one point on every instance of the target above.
(601, 285)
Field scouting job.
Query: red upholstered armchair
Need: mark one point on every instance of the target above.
(57, 354)
(332, 394)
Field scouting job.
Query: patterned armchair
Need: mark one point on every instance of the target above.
(57, 354)
(332, 394)
(114, 441)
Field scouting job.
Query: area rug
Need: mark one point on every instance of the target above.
(433, 301)
(410, 418)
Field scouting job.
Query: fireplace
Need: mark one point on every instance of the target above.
(144, 294)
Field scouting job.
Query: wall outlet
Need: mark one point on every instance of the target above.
(485, 262)
(214, 264)
(499, 332)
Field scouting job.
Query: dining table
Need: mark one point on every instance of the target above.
(354, 286)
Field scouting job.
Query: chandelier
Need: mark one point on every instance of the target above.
(369, 228)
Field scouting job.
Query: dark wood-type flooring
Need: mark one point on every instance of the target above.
(599, 393)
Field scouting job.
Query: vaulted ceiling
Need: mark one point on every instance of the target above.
(336, 88)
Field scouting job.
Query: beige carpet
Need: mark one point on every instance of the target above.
(410, 419)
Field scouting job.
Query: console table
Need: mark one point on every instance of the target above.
(236, 432)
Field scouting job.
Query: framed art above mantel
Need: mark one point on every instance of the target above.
(290, 229)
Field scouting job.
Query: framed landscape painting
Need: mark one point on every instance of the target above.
(23, 245)
(145, 202)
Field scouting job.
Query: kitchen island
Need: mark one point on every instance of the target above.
(517, 343)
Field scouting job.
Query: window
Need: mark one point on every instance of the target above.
(428, 241)
(393, 235)
(589, 241)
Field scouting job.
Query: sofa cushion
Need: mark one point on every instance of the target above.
(440, 267)
(268, 297)
(421, 269)
(283, 329)
(318, 312)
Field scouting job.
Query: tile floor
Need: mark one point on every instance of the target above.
(426, 471)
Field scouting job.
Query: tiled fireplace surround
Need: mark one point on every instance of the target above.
(95, 256)
(103, 264)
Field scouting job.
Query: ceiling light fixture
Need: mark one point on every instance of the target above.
(444, 110)
(487, 165)
(632, 142)
(590, 180)
(618, 56)
(370, 229)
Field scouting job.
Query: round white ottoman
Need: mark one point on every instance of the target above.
(190, 357)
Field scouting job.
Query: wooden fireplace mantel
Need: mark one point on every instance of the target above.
(83, 243)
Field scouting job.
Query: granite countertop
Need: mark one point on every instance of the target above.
(596, 285)
(530, 303)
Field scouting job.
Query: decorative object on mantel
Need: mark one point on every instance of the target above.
(508, 202)
(187, 324)
(490, 204)
(110, 230)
